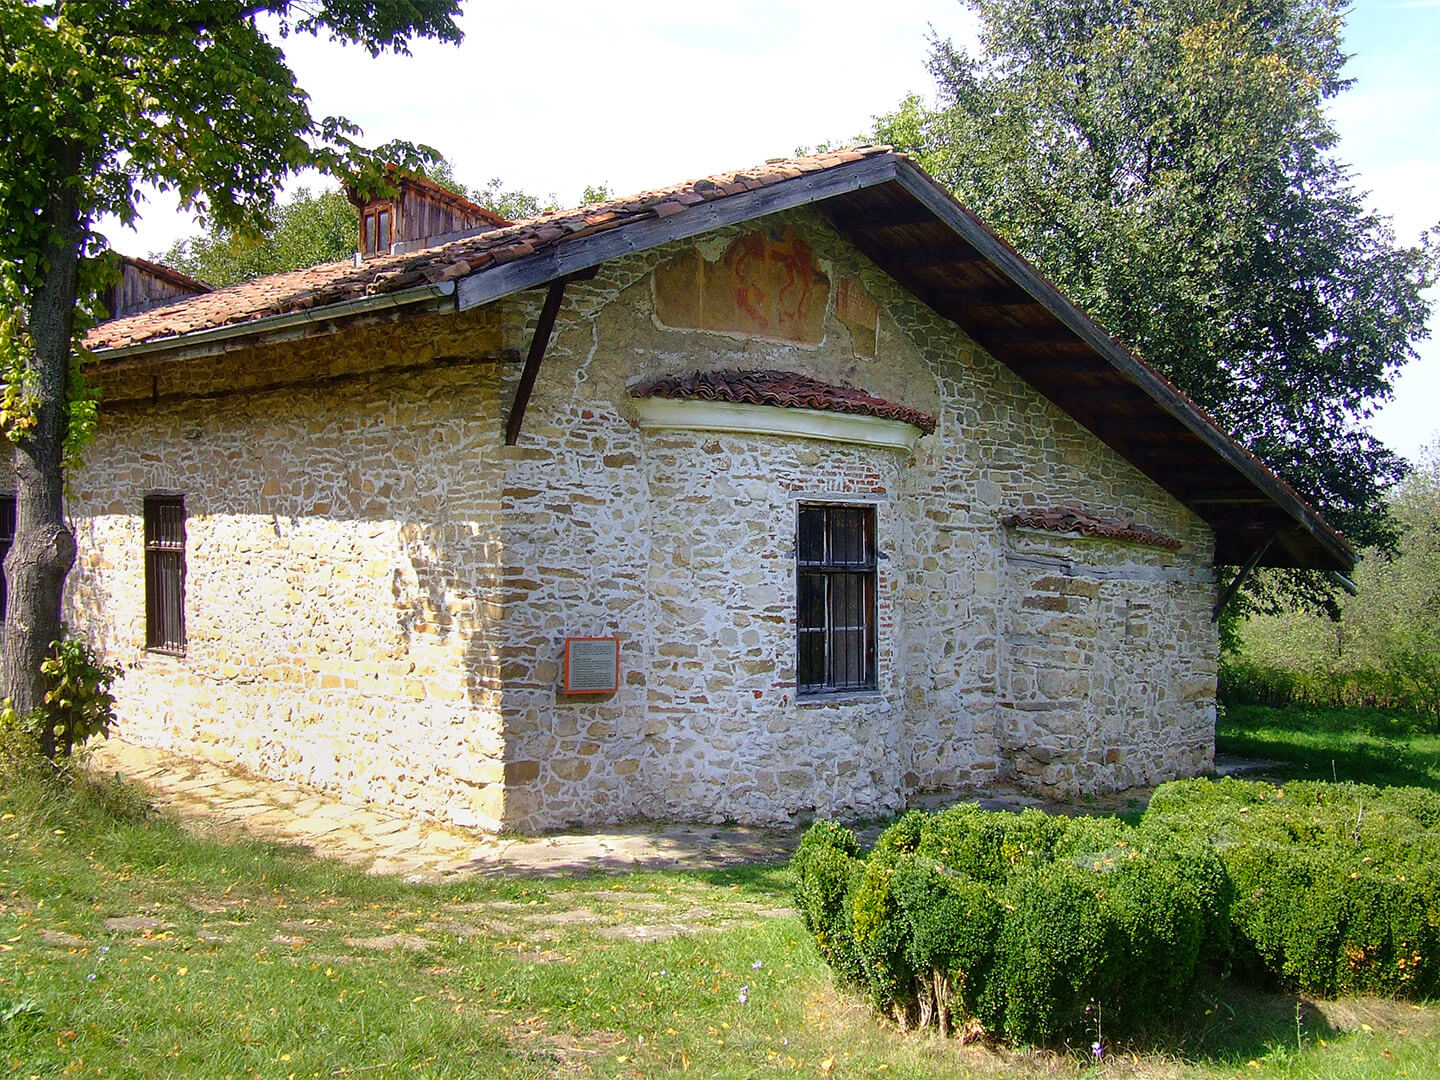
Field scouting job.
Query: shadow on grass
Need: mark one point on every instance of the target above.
(1363, 760)
(775, 880)
(1370, 746)
(1234, 1024)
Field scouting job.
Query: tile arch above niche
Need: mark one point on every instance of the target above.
(738, 418)
(777, 403)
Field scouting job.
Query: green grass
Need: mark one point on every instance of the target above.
(260, 961)
(1372, 746)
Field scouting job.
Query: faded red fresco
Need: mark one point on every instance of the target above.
(767, 284)
(860, 314)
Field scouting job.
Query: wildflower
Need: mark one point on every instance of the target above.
(744, 995)
(90, 977)
(757, 965)
(1097, 1050)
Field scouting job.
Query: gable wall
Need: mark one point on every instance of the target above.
(682, 544)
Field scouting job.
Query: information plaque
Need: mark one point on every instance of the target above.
(592, 665)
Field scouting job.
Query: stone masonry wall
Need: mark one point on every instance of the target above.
(682, 545)
(342, 540)
(986, 682)
(379, 591)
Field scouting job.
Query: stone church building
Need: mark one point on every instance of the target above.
(786, 491)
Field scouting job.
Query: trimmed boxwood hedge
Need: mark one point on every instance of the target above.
(1337, 886)
(1034, 926)
(1022, 922)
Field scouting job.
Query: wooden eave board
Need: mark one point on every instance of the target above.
(1086, 375)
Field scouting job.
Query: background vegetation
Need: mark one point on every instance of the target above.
(1383, 651)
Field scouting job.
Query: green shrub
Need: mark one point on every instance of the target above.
(880, 934)
(1034, 926)
(1337, 886)
(77, 704)
(826, 872)
(952, 922)
(1124, 935)
(1019, 921)
(990, 846)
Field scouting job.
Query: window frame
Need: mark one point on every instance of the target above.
(377, 228)
(165, 569)
(836, 653)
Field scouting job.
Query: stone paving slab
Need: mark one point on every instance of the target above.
(213, 797)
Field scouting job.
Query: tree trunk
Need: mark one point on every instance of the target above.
(44, 548)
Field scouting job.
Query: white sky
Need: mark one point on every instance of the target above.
(557, 95)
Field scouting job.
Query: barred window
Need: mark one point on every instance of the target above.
(7, 537)
(835, 599)
(165, 573)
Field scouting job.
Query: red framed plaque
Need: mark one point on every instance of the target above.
(592, 665)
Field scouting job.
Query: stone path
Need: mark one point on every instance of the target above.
(209, 797)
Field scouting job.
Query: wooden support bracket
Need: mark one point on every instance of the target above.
(538, 344)
(1234, 586)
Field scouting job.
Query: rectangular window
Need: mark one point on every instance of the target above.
(369, 234)
(382, 232)
(7, 537)
(835, 599)
(165, 573)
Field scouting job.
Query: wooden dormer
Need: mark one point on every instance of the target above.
(420, 214)
(143, 284)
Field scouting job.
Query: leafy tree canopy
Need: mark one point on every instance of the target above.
(305, 231)
(99, 98)
(1170, 165)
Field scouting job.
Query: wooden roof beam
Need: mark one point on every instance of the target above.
(888, 217)
(1030, 335)
(999, 296)
(1228, 500)
(543, 326)
(940, 256)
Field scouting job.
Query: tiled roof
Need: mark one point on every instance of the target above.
(1070, 520)
(333, 283)
(783, 389)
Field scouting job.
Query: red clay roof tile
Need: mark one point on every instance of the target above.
(337, 282)
(1072, 520)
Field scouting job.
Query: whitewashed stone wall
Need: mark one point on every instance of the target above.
(379, 590)
(342, 544)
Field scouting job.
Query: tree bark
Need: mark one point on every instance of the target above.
(44, 548)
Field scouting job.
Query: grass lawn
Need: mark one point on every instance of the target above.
(129, 949)
(1372, 746)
